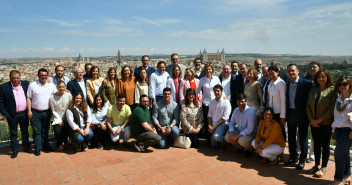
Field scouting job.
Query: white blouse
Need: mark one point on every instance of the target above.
(340, 118)
(58, 105)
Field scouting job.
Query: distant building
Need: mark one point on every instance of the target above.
(118, 61)
(212, 57)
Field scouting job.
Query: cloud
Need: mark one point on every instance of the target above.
(156, 22)
(65, 23)
(107, 31)
(231, 6)
(111, 21)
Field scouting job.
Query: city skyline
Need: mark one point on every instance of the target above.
(66, 28)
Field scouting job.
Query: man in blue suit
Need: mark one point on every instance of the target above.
(296, 97)
(78, 84)
(13, 106)
(145, 62)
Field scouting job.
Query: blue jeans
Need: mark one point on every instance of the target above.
(40, 122)
(342, 153)
(87, 138)
(218, 136)
(125, 134)
(175, 131)
(20, 118)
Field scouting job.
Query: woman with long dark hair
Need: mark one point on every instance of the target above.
(320, 110)
(79, 117)
(191, 117)
(99, 112)
(342, 130)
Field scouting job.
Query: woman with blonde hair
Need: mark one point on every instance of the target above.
(174, 83)
(94, 83)
(254, 91)
(108, 87)
(126, 85)
(189, 82)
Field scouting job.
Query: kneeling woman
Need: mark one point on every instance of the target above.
(269, 142)
(79, 118)
(191, 117)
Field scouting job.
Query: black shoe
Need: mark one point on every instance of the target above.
(28, 150)
(137, 147)
(300, 166)
(247, 153)
(241, 150)
(48, 149)
(14, 154)
(125, 145)
(37, 152)
(291, 161)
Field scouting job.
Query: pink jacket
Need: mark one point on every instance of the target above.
(183, 88)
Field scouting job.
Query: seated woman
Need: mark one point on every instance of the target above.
(191, 117)
(269, 142)
(100, 109)
(58, 104)
(79, 118)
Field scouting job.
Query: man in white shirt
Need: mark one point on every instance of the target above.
(59, 71)
(242, 126)
(39, 112)
(218, 116)
(157, 83)
(225, 79)
(175, 60)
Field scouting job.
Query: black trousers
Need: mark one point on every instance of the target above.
(277, 118)
(321, 136)
(61, 133)
(205, 132)
(148, 138)
(295, 121)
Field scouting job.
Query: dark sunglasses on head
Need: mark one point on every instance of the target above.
(342, 84)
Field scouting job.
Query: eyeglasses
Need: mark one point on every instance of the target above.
(268, 115)
(43, 75)
(342, 84)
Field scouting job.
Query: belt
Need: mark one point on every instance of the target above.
(20, 112)
(292, 109)
(40, 110)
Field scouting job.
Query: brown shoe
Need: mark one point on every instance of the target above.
(313, 170)
(264, 160)
(276, 161)
(320, 173)
(85, 147)
(78, 148)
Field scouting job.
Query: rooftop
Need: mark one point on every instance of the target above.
(117, 165)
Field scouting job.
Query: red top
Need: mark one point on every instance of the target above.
(193, 86)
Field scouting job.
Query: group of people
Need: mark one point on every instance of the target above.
(248, 108)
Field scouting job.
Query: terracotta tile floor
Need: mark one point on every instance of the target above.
(117, 165)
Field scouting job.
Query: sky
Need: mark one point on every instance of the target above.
(64, 28)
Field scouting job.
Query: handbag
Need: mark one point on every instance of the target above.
(182, 141)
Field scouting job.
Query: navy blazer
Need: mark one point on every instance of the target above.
(74, 87)
(237, 87)
(7, 99)
(302, 92)
(150, 71)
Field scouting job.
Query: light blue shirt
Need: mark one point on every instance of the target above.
(246, 121)
(100, 115)
(292, 93)
(164, 115)
(54, 81)
(157, 83)
(82, 84)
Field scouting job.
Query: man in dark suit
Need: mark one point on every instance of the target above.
(296, 101)
(237, 85)
(13, 106)
(145, 65)
(78, 84)
(198, 68)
